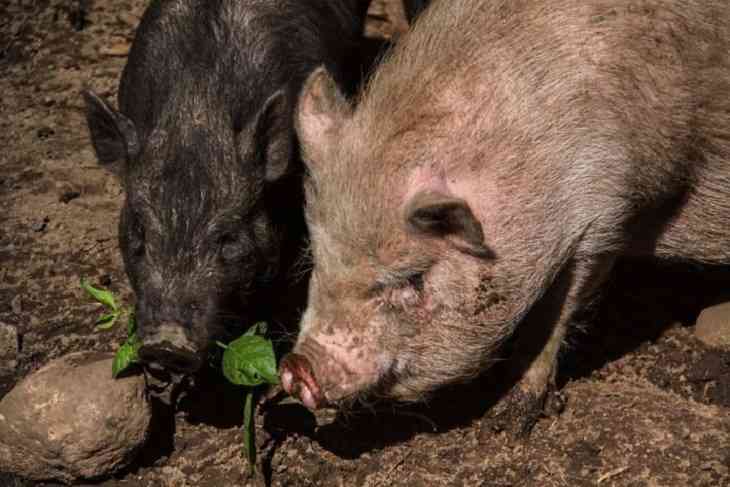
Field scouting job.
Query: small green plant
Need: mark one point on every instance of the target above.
(247, 361)
(126, 355)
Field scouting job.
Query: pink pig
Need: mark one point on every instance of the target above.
(502, 158)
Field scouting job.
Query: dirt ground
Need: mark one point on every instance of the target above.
(646, 403)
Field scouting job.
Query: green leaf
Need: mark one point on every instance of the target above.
(249, 361)
(131, 323)
(249, 445)
(106, 321)
(101, 295)
(257, 329)
(126, 356)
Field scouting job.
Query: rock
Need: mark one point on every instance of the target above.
(40, 226)
(70, 420)
(8, 350)
(713, 326)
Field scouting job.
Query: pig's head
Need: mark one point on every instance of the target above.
(407, 292)
(195, 231)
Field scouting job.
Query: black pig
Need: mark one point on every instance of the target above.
(204, 144)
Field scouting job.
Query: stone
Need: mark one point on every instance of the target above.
(71, 420)
(713, 326)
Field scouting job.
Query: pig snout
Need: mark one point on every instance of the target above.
(328, 370)
(297, 378)
(168, 347)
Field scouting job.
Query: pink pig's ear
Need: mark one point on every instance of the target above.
(321, 109)
(436, 214)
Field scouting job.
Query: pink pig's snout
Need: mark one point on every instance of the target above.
(297, 378)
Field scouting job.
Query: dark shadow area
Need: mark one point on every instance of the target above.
(641, 301)
(362, 429)
(212, 400)
(160, 441)
(285, 419)
(10, 480)
(6, 383)
(281, 421)
(370, 53)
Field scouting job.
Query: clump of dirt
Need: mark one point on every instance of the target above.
(645, 403)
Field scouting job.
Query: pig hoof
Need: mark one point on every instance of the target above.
(297, 379)
(516, 414)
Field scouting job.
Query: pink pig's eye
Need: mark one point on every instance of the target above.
(415, 281)
(408, 294)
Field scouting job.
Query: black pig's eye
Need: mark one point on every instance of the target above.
(136, 236)
(230, 247)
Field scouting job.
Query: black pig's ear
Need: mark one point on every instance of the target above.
(321, 109)
(273, 130)
(112, 134)
(439, 215)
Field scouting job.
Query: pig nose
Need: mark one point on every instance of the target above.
(170, 348)
(298, 380)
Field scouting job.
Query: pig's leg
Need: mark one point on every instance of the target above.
(540, 338)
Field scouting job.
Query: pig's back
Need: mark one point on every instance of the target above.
(241, 46)
(634, 80)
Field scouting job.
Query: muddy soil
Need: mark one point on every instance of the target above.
(646, 404)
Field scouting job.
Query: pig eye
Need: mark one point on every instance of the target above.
(230, 248)
(408, 294)
(136, 238)
(408, 297)
(415, 281)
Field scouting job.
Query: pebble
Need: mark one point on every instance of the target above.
(119, 49)
(713, 326)
(40, 226)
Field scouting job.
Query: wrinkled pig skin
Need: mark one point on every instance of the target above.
(499, 161)
(205, 147)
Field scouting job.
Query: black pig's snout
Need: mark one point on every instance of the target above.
(297, 378)
(169, 347)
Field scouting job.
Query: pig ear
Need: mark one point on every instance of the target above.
(439, 215)
(321, 109)
(112, 134)
(273, 129)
